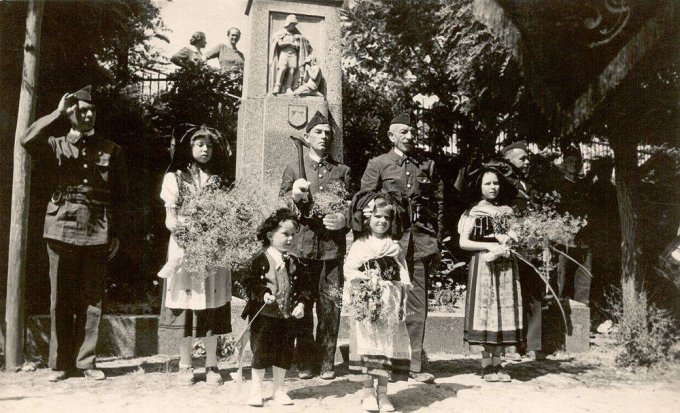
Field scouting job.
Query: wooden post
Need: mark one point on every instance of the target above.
(16, 265)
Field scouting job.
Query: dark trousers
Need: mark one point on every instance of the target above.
(271, 341)
(572, 281)
(533, 290)
(326, 282)
(416, 306)
(78, 284)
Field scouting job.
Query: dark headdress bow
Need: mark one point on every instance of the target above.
(180, 152)
(503, 171)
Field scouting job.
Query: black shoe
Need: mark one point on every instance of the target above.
(58, 375)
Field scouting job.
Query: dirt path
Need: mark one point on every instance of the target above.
(585, 383)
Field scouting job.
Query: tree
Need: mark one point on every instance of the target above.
(402, 48)
(100, 43)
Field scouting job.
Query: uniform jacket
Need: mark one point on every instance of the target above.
(313, 240)
(290, 288)
(524, 189)
(417, 182)
(91, 188)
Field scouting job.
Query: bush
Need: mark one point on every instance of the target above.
(647, 334)
(226, 345)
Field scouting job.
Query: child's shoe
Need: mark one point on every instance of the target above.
(383, 402)
(281, 398)
(185, 376)
(503, 375)
(255, 398)
(489, 374)
(369, 403)
(213, 377)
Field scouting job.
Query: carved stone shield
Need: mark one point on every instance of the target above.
(297, 115)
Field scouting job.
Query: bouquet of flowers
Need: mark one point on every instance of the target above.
(217, 225)
(535, 233)
(366, 297)
(541, 227)
(332, 199)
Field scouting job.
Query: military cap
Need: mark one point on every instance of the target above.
(84, 94)
(402, 118)
(515, 145)
(317, 119)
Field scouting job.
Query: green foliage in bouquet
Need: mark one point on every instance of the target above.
(217, 225)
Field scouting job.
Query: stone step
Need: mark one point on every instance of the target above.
(138, 335)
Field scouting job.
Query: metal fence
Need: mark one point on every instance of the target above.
(152, 85)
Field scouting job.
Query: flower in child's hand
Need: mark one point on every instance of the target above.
(269, 298)
(298, 311)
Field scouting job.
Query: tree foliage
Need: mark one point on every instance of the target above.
(399, 49)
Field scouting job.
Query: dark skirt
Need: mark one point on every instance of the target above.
(197, 323)
(272, 341)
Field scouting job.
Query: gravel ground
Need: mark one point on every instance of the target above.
(563, 383)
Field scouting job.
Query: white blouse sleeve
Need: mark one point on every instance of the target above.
(403, 269)
(170, 190)
(351, 268)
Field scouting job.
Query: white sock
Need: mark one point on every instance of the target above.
(279, 376)
(258, 378)
(210, 351)
(185, 352)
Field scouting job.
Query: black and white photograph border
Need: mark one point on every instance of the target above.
(342, 205)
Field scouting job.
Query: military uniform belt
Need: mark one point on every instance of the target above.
(82, 195)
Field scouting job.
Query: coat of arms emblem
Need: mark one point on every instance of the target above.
(297, 115)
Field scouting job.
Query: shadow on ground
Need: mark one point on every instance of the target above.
(335, 388)
(422, 396)
(524, 371)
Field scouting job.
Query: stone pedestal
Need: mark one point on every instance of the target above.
(576, 338)
(266, 120)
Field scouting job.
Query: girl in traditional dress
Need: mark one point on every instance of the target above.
(493, 311)
(196, 304)
(382, 346)
(277, 298)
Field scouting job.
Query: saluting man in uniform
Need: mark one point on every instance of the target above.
(320, 244)
(402, 173)
(81, 223)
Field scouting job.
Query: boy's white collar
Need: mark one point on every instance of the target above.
(276, 255)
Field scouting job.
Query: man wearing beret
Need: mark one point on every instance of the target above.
(81, 225)
(320, 245)
(414, 180)
(516, 155)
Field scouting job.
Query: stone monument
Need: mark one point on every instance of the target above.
(293, 69)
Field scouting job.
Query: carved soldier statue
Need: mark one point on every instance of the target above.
(289, 48)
